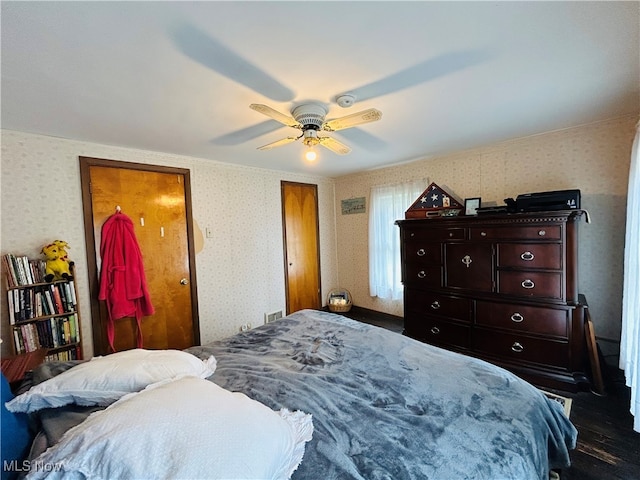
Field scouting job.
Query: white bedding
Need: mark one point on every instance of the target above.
(188, 428)
(103, 380)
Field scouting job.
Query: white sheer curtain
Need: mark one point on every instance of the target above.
(388, 204)
(630, 340)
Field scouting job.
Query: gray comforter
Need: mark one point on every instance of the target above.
(385, 406)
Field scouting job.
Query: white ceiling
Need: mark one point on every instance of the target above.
(178, 77)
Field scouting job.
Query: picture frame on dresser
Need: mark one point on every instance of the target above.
(471, 205)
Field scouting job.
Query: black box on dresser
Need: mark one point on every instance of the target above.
(500, 287)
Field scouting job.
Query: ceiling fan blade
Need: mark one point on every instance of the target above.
(366, 116)
(362, 138)
(206, 50)
(425, 71)
(245, 134)
(334, 145)
(278, 143)
(280, 117)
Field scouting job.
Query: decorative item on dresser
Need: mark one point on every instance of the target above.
(500, 287)
(42, 315)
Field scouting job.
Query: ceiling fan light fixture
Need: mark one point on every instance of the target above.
(311, 155)
(310, 137)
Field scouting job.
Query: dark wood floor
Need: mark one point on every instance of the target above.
(608, 448)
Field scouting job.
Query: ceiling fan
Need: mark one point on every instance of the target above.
(310, 118)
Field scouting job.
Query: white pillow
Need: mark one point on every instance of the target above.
(103, 380)
(187, 428)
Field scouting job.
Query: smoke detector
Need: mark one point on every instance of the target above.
(347, 100)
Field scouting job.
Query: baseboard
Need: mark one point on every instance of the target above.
(374, 314)
(373, 317)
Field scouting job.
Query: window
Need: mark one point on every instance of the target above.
(630, 339)
(388, 204)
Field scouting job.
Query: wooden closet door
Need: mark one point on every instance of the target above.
(156, 203)
(301, 245)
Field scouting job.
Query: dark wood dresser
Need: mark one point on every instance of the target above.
(503, 288)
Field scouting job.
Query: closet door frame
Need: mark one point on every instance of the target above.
(100, 342)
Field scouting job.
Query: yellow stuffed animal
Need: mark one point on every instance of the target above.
(57, 266)
(62, 250)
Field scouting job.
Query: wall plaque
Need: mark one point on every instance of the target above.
(354, 205)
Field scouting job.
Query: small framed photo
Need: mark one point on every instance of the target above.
(471, 206)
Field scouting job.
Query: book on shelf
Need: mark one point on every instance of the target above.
(10, 271)
(39, 301)
(27, 270)
(67, 298)
(72, 288)
(26, 340)
(17, 270)
(64, 355)
(21, 271)
(17, 339)
(43, 315)
(50, 333)
(10, 307)
(73, 327)
(49, 299)
(57, 299)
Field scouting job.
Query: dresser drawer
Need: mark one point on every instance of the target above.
(531, 284)
(441, 305)
(469, 266)
(437, 331)
(433, 234)
(423, 253)
(525, 232)
(422, 276)
(530, 255)
(523, 318)
(515, 347)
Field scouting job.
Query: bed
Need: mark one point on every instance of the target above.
(383, 406)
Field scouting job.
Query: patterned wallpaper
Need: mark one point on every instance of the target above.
(240, 270)
(592, 158)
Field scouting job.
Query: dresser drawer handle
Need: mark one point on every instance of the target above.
(483, 234)
(517, 347)
(516, 317)
(421, 252)
(435, 330)
(528, 284)
(527, 256)
(422, 274)
(435, 305)
(542, 233)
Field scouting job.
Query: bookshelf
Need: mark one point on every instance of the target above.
(42, 315)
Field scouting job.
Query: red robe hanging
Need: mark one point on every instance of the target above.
(123, 284)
